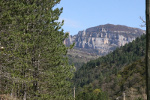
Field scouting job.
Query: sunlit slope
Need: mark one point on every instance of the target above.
(115, 72)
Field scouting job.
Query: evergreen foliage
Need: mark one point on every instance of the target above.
(89, 93)
(33, 64)
(119, 71)
(111, 63)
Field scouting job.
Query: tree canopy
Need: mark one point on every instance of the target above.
(33, 64)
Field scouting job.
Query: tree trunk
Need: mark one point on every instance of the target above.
(148, 48)
(25, 93)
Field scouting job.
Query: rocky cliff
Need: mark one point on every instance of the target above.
(104, 38)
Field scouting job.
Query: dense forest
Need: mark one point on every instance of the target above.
(120, 70)
(33, 62)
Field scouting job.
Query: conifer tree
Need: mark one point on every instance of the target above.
(34, 58)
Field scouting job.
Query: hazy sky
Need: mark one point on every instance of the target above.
(82, 14)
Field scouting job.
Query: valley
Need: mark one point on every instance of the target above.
(118, 71)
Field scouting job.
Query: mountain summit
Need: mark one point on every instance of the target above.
(104, 38)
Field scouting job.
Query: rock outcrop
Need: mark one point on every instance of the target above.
(104, 38)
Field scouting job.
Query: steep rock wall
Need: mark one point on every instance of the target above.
(104, 38)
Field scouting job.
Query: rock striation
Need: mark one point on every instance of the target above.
(104, 38)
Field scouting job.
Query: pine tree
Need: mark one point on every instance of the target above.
(34, 55)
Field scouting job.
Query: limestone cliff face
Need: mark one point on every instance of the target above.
(104, 38)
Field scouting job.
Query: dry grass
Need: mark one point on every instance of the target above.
(7, 97)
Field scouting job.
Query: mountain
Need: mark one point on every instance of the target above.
(103, 39)
(122, 70)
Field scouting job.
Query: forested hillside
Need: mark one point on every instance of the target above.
(117, 71)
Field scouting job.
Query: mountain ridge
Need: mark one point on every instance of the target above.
(104, 38)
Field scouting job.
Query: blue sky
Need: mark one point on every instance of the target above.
(82, 14)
